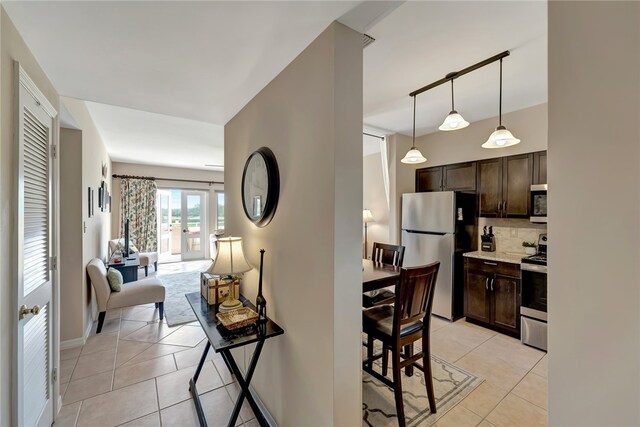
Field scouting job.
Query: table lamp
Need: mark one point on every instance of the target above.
(230, 264)
(367, 217)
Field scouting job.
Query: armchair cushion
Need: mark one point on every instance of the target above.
(148, 258)
(139, 292)
(98, 276)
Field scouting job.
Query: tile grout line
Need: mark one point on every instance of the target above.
(511, 390)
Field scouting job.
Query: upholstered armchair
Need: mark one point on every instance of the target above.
(146, 258)
(143, 291)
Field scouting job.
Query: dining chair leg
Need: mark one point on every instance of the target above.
(369, 351)
(428, 376)
(408, 350)
(397, 386)
(385, 359)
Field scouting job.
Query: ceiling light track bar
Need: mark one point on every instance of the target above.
(454, 75)
(153, 178)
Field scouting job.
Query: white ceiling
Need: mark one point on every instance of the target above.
(157, 139)
(173, 73)
(420, 42)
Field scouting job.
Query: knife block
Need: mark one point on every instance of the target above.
(488, 243)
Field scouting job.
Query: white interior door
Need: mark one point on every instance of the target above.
(33, 382)
(193, 224)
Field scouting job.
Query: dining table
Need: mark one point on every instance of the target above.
(376, 275)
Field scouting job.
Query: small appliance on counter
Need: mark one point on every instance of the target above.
(488, 240)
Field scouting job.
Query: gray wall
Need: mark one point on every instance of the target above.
(310, 115)
(594, 213)
(71, 235)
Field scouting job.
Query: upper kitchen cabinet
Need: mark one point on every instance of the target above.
(504, 186)
(429, 179)
(539, 168)
(458, 177)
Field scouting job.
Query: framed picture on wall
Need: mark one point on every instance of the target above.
(89, 202)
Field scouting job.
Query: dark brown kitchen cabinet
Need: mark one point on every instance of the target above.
(476, 296)
(504, 186)
(457, 177)
(490, 188)
(429, 179)
(539, 168)
(492, 295)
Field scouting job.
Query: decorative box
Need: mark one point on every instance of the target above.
(214, 290)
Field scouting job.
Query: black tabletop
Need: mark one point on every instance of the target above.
(219, 337)
(132, 261)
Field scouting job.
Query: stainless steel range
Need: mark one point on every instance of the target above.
(533, 309)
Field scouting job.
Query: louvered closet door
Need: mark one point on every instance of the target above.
(33, 370)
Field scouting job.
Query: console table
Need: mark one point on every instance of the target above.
(128, 267)
(222, 342)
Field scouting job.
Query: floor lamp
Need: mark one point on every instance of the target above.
(367, 217)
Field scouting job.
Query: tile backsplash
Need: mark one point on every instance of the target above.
(510, 233)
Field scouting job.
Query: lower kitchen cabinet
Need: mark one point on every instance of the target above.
(492, 295)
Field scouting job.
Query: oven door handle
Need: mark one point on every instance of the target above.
(534, 268)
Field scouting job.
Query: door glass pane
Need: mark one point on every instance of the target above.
(219, 211)
(165, 222)
(193, 213)
(176, 222)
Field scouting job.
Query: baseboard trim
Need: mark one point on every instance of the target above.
(77, 342)
(263, 408)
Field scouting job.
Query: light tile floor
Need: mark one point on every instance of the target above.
(136, 372)
(514, 392)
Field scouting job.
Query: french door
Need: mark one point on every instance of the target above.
(193, 224)
(165, 214)
(33, 380)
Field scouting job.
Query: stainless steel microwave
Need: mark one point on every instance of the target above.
(539, 203)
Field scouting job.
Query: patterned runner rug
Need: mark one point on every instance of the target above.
(176, 308)
(451, 384)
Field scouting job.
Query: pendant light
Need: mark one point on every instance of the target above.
(454, 120)
(414, 156)
(501, 137)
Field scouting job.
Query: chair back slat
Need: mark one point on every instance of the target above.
(388, 254)
(414, 295)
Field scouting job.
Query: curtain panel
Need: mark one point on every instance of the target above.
(138, 204)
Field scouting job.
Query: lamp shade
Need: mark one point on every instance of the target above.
(413, 156)
(230, 259)
(367, 216)
(453, 121)
(501, 138)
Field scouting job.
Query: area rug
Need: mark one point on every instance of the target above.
(176, 307)
(451, 384)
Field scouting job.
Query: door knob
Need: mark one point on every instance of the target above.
(184, 231)
(24, 310)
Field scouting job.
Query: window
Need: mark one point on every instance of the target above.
(219, 210)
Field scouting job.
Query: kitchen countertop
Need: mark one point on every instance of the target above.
(511, 257)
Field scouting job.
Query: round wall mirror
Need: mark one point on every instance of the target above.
(260, 186)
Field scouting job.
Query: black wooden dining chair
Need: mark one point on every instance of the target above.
(386, 254)
(398, 326)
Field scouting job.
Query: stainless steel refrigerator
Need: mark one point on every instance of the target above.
(440, 226)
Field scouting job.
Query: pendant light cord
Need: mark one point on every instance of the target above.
(500, 109)
(414, 124)
(452, 105)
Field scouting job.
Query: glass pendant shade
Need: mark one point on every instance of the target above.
(453, 121)
(413, 156)
(501, 138)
